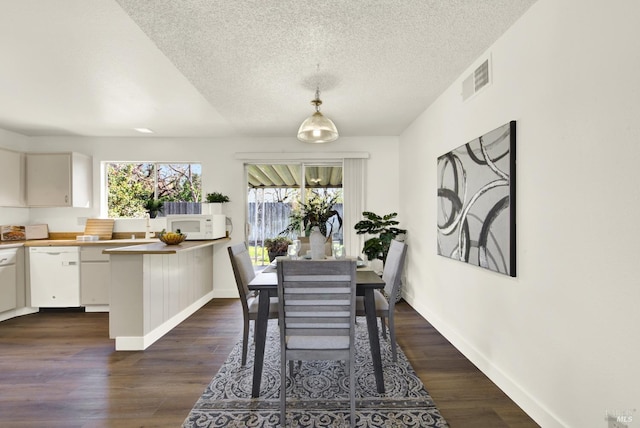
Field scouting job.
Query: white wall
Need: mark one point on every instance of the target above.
(221, 172)
(563, 338)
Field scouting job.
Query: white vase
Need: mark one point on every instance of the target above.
(211, 208)
(316, 242)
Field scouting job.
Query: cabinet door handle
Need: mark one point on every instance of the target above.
(3, 260)
(66, 199)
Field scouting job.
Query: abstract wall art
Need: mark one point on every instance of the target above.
(476, 201)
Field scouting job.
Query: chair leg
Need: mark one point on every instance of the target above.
(392, 336)
(283, 392)
(245, 339)
(352, 392)
(384, 327)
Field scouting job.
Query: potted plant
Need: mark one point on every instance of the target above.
(377, 247)
(277, 246)
(214, 203)
(315, 212)
(153, 206)
(217, 198)
(313, 216)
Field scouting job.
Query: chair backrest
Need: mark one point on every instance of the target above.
(317, 299)
(392, 273)
(242, 269)
(305, 246)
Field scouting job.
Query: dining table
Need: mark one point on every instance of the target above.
(266, 283)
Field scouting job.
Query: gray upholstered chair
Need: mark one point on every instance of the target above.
(385, 303)
(317, 317)
(244, 273)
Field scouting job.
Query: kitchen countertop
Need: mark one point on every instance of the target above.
(11, 244)
(128, 246)
(74, 243)
(161, 248)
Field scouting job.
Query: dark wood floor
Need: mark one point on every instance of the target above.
(61, 370)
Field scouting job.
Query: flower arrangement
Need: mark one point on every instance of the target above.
(316, 211)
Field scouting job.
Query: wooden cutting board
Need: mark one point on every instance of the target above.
(101, 227)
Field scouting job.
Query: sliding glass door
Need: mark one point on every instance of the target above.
(274, 190)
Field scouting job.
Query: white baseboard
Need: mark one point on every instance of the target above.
(96, 308)
(140, 343)
(17, 313)
(513, 390)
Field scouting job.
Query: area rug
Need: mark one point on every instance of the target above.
(318, 396)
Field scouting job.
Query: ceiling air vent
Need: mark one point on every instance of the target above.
(476, 80)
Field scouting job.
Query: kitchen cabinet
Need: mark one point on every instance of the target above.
(95, 277)
(8, 279)
(59, 180)
(12, 178)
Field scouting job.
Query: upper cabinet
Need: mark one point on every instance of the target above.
(11, 178)
(59, 180)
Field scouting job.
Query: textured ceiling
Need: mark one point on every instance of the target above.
(232, 67)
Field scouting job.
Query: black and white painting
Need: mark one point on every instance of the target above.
(476, 201)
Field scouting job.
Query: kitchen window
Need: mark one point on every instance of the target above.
(129, 185)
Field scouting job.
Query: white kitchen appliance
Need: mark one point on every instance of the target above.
(55, 276)
(198, 226)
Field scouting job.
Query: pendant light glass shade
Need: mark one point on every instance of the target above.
(317, 128)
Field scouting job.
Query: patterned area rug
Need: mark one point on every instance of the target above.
(318, 396)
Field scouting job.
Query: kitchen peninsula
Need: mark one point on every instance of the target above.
(154, 287)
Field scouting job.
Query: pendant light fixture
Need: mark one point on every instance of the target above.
(317, 128)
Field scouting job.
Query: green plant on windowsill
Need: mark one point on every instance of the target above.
(153, 206)
(216, 197)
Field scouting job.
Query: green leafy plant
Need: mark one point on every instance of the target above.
(377, 247)
(153, 206)
(216, 197)
(277, 246)
(316, 211)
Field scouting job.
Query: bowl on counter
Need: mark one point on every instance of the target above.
(172, 238)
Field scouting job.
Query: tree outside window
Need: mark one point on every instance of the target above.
(129, 185)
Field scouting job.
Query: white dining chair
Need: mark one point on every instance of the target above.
(385, 303)
(317, 317)
(243, 272)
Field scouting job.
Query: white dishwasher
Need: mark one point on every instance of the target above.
(55, 276)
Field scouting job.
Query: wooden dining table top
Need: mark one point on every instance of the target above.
(269, 278)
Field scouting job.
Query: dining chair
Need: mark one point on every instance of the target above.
(385, 303)
(317, 317)
(243, 272)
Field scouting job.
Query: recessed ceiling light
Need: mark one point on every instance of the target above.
(144, 130)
